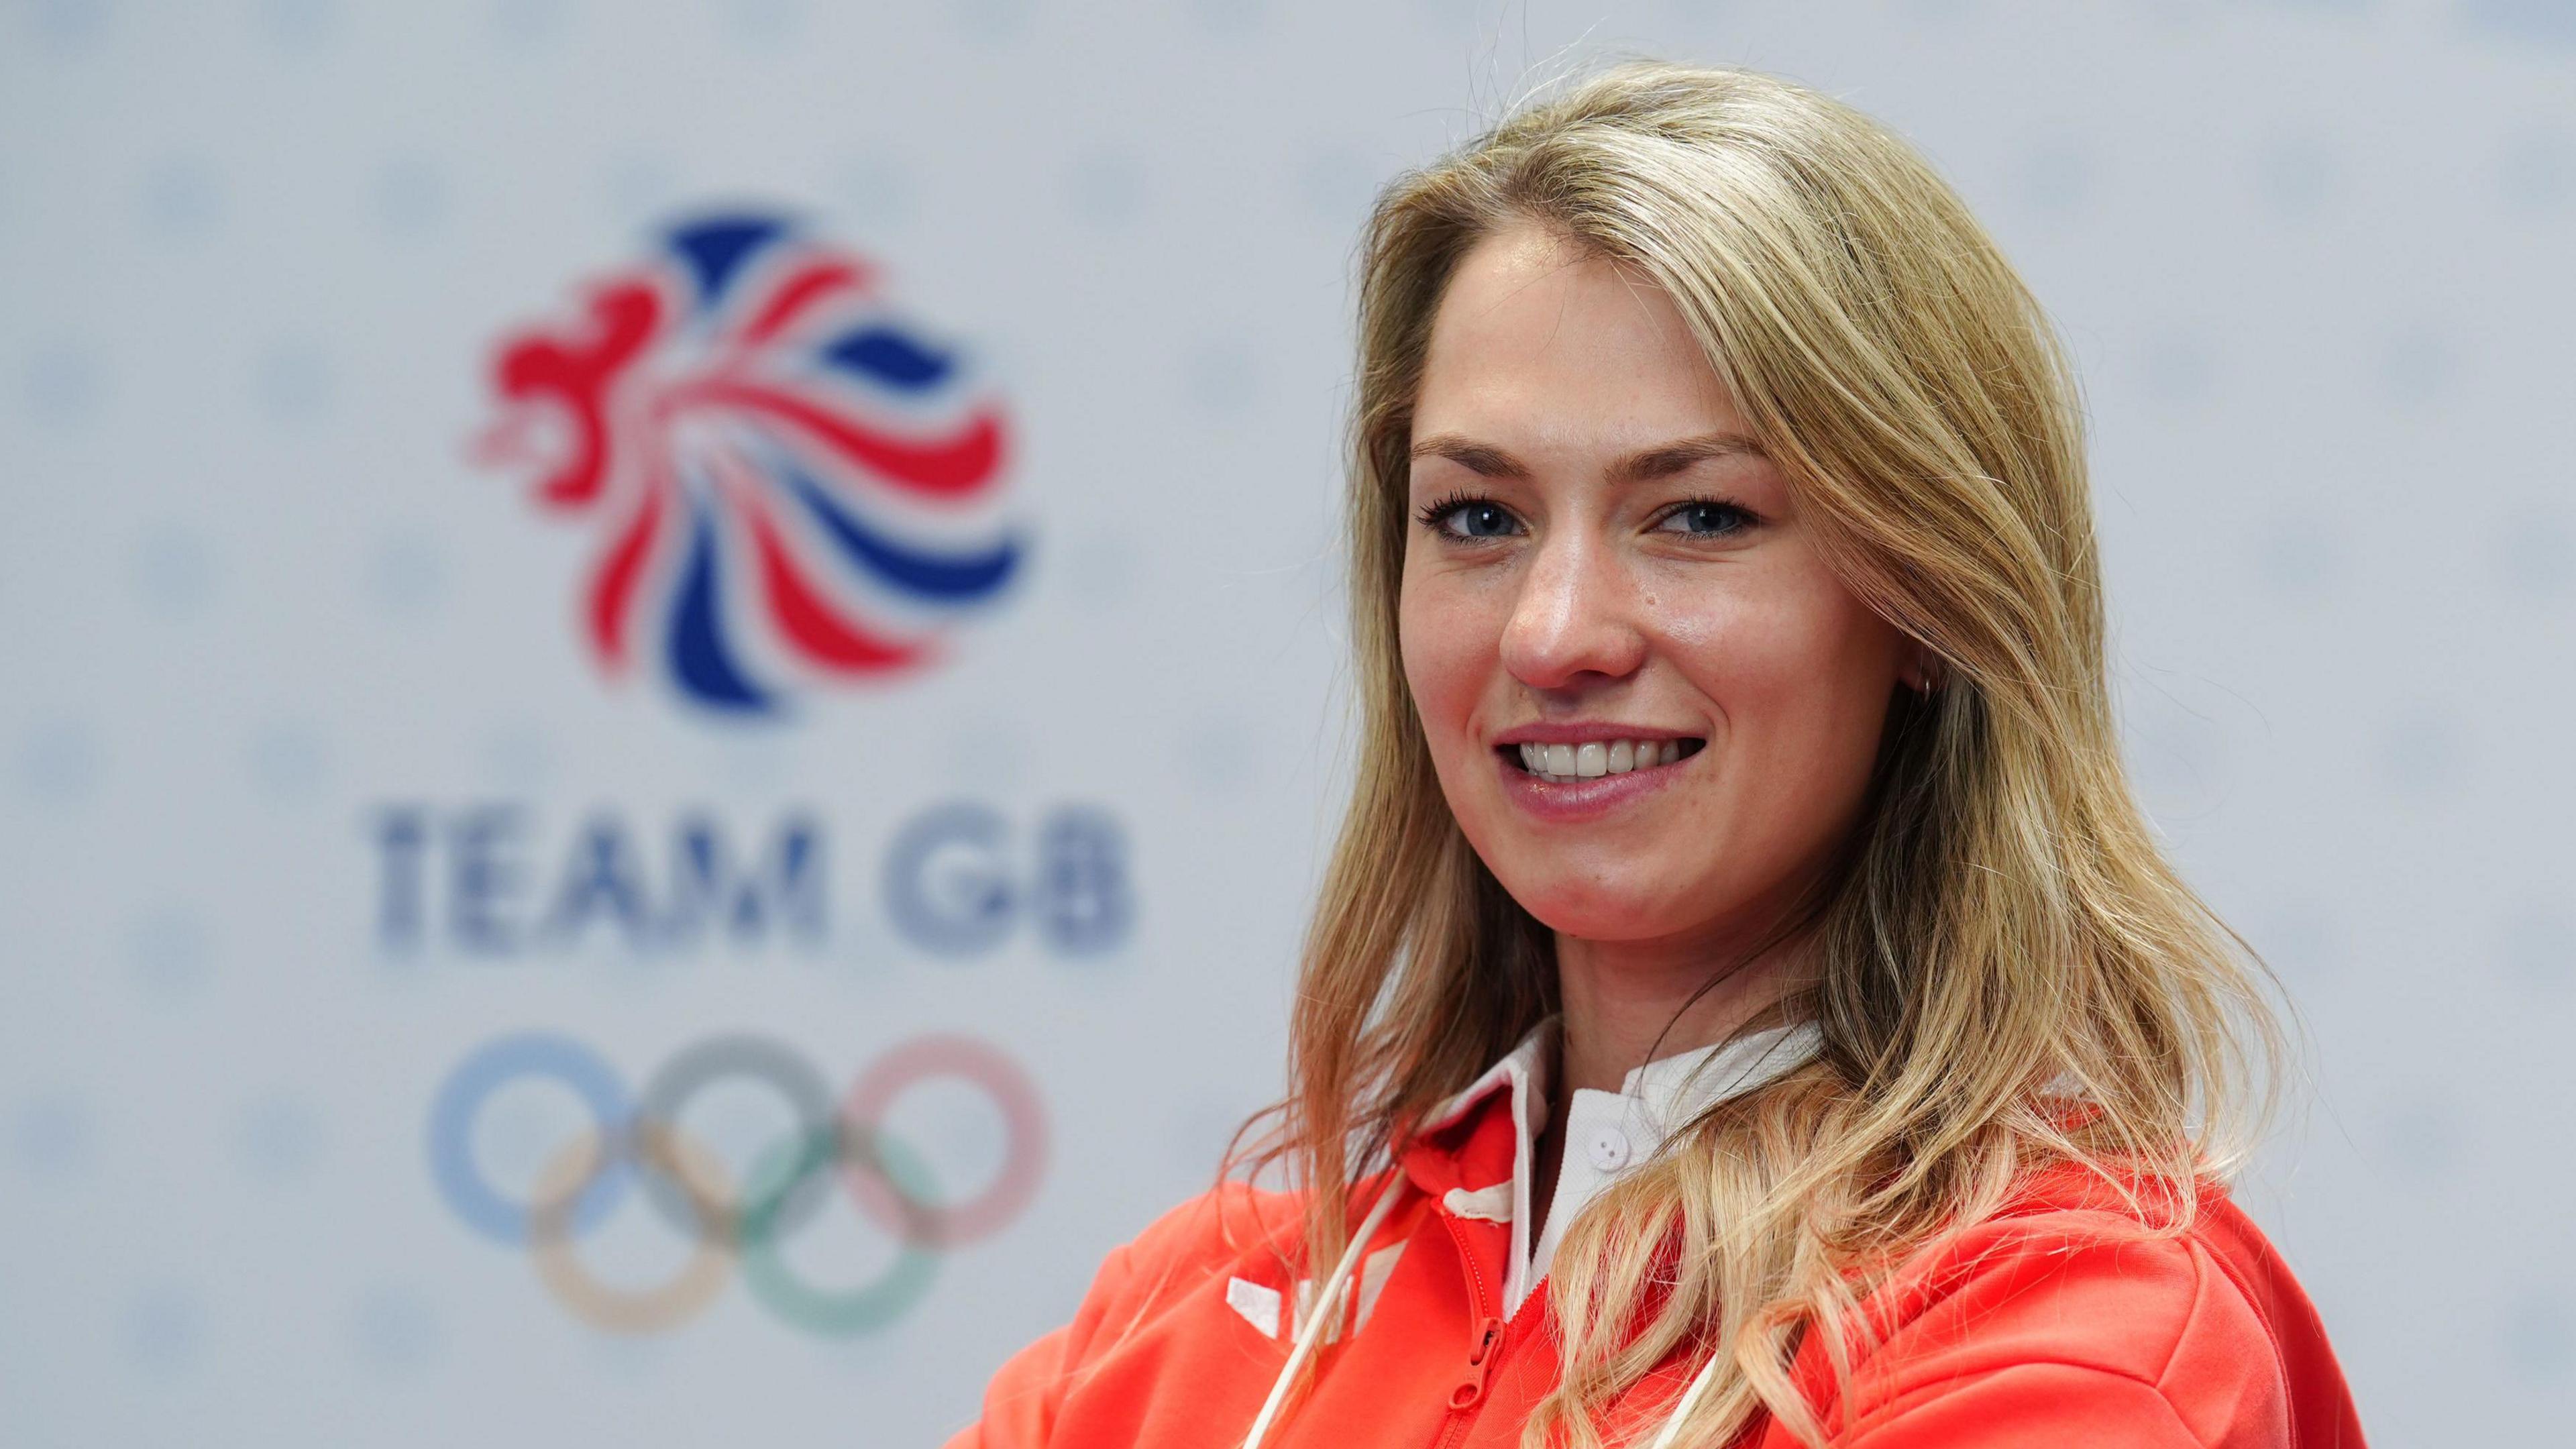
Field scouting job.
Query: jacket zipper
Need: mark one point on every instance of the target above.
(1492, 1341)
(1480, 1362)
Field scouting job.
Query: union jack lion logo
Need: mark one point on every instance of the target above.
(789, 480)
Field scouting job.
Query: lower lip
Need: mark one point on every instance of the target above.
(1586, 799)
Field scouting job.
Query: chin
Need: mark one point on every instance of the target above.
(1592, 911)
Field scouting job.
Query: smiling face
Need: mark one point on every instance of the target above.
(1652, 707)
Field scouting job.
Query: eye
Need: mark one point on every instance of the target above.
(1469, 519)
(1707, 518)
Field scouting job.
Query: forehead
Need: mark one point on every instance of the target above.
(1540, 345)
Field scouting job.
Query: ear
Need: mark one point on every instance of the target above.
(1922, 672)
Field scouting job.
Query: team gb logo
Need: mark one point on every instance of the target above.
(790, 485)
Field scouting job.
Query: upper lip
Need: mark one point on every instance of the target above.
(1586, 732)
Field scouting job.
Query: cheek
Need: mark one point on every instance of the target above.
(1801, 675)
(1448, 652)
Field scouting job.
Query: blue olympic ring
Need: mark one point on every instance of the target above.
(492, 1066)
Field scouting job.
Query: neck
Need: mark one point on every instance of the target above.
(1625, 1001)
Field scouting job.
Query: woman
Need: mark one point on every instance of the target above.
(1746, 1005)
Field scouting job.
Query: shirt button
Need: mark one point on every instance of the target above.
(1609, 1149)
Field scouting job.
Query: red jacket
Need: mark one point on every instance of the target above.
(2057, 1322)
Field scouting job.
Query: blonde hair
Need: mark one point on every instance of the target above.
(2005, 925)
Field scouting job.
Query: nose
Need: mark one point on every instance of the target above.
(1575, 617)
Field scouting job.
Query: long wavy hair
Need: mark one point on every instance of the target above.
(2004, 934)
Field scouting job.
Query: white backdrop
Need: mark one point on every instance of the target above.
(301, 740)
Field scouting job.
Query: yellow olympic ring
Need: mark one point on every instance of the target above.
(648, 1310)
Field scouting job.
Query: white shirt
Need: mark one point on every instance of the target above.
(1607, 1134)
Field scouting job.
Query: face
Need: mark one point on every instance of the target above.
(1652, 706)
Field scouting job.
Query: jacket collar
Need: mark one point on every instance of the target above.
(1674, 1089)
(1478, 1150)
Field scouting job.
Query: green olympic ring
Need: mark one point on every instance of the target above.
(849, 1313)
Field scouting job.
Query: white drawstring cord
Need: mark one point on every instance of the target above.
(1326, 1301)
(1690, 1399)
(1329, 1299)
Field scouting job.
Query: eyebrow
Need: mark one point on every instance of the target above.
(1662, 461)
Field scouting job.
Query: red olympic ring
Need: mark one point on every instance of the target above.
(928, 1058)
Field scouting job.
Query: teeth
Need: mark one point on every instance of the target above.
(1560, 763)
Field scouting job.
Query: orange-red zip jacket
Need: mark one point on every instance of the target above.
(2058, 1322)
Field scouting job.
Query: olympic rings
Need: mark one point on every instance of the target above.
(581, 1183)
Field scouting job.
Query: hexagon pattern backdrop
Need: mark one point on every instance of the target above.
(765, 570)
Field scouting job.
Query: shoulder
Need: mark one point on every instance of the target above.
(1232, 1229)
(2067, 1318)
(1227, 1225)
(1147, 1281)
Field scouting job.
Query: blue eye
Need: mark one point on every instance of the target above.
(1469, 519)
(1708, 518)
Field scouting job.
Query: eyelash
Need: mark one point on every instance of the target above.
(1451, 503)
(1431, 516)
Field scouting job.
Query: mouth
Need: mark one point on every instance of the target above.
(1567, 762)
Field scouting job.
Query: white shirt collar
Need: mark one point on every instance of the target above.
(1610, 1133)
